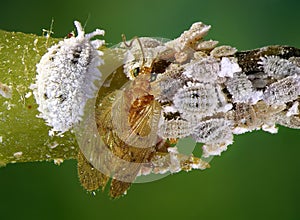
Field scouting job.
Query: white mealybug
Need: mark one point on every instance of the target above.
(200, 100)
(278, 68)
(283, 91)
(216, 134)
(203, 70)
(196, 98)
(241, 89)
(213, 131)
(65, 79)
(178, 128)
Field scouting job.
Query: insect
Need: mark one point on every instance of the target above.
(165, 91)
(65, 79)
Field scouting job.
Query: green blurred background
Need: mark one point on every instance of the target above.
(257, 178)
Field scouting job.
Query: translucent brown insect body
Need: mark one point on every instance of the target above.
(127, 121)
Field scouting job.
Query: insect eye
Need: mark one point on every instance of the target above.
(136, 71)
(153, 77)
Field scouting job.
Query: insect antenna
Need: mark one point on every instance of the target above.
(130, 45)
